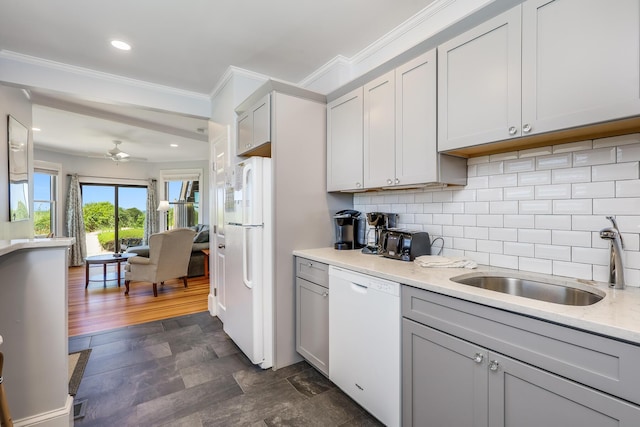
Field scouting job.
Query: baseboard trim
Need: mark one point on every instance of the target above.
(62, 417)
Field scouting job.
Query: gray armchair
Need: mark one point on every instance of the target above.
(169, 254)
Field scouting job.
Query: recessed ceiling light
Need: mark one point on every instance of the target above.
(119, 44)
(36, 129)
(173, 145)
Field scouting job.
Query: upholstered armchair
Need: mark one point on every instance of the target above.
(169, 254)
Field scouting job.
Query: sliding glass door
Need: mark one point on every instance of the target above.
(113, 216)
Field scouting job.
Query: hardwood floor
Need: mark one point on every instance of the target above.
(99, 308)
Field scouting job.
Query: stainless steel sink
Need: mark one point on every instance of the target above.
(528, 288)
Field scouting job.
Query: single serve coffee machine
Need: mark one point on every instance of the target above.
(349, 229)
(378, 223)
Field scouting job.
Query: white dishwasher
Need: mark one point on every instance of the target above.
(364, 341)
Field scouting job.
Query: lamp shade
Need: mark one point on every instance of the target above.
(163, 206)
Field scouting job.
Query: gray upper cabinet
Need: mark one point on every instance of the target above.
(479, 84)
(580, 62)
(254, 129)
(544, 66)
(344, 142)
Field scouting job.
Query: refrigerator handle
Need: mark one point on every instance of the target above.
(246, 214)
(245, 269)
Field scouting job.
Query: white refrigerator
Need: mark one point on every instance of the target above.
(249, 261)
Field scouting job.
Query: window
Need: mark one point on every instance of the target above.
(45, 199)
(181, 188)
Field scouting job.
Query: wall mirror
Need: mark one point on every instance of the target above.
(18, 136)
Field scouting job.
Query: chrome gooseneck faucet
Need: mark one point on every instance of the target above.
(616, 269)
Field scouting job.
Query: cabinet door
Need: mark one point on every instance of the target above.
(312, 323)
(344, 142)
(581, 62)
(416, 131)
(379, 131)
(254, 126)
(444, 379)
(479, 84)
(522, 395)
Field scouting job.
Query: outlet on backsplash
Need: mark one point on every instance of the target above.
(537, 210)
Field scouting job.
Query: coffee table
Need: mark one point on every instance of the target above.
(105, 259)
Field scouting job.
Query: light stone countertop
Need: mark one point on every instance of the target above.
(9, 246)
(617, 315)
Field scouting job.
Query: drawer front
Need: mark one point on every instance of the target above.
(313, 271)
(596, 361)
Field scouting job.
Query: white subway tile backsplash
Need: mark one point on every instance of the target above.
(504, 207)
(615, 172)
(632, 277)
(476, 208)
(559, 253)
(504, 234)
(554, 161)
(534, 178)
(571, 238)
(575, 206)
(492, 168)
(571, 175)
(624, 206)
(496, 221)
(519, 221)
(590, 255)
(468, 220)
(507, 180)
(534, 236)
(519, 165)
(553, 222)
(476, 233)
(490, 246)
(536, 210)
(628, 153)
(593, 190)
(572, 269)
(553, 191)
(573, 146)
(489, 194)
(600, 156)
(519, 249)
(536, 207)
(543, 266)
(628, 188)
(457, 208)
(519, 193)
(453, 231)
(535, 152)
(613, 141)
(504, 261)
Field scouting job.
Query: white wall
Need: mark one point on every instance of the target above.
(535, 210)
(13, 102)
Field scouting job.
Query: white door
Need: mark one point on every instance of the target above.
(222, 186)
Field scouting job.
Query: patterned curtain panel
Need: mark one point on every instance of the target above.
(151, 218)
(75, 223)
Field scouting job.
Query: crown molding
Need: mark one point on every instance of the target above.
(233, 71)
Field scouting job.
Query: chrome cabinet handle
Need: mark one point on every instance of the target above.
(513, 130)
(494, 365)
(478, 358)
(358, 185)
(389, 182)
(221, 246)
(325, 294)
(309, 264)
(397, 181)
(526, 128)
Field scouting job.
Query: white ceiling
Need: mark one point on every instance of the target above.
(186, 45)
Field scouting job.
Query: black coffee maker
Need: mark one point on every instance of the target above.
(378, 223)
(350, 227)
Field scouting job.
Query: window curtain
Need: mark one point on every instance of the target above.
(151, 218)
(75, 223)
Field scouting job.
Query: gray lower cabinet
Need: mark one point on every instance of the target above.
(451, 381)
(312, 313)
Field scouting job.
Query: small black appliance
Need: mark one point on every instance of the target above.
(350, 227)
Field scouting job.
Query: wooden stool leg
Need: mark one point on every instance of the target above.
(5, 416)
(155, 289)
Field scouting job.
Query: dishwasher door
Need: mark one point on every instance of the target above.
(364, 341)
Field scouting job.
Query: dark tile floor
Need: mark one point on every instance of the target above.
(187, 372)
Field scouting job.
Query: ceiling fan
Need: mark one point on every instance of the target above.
(116, 154)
